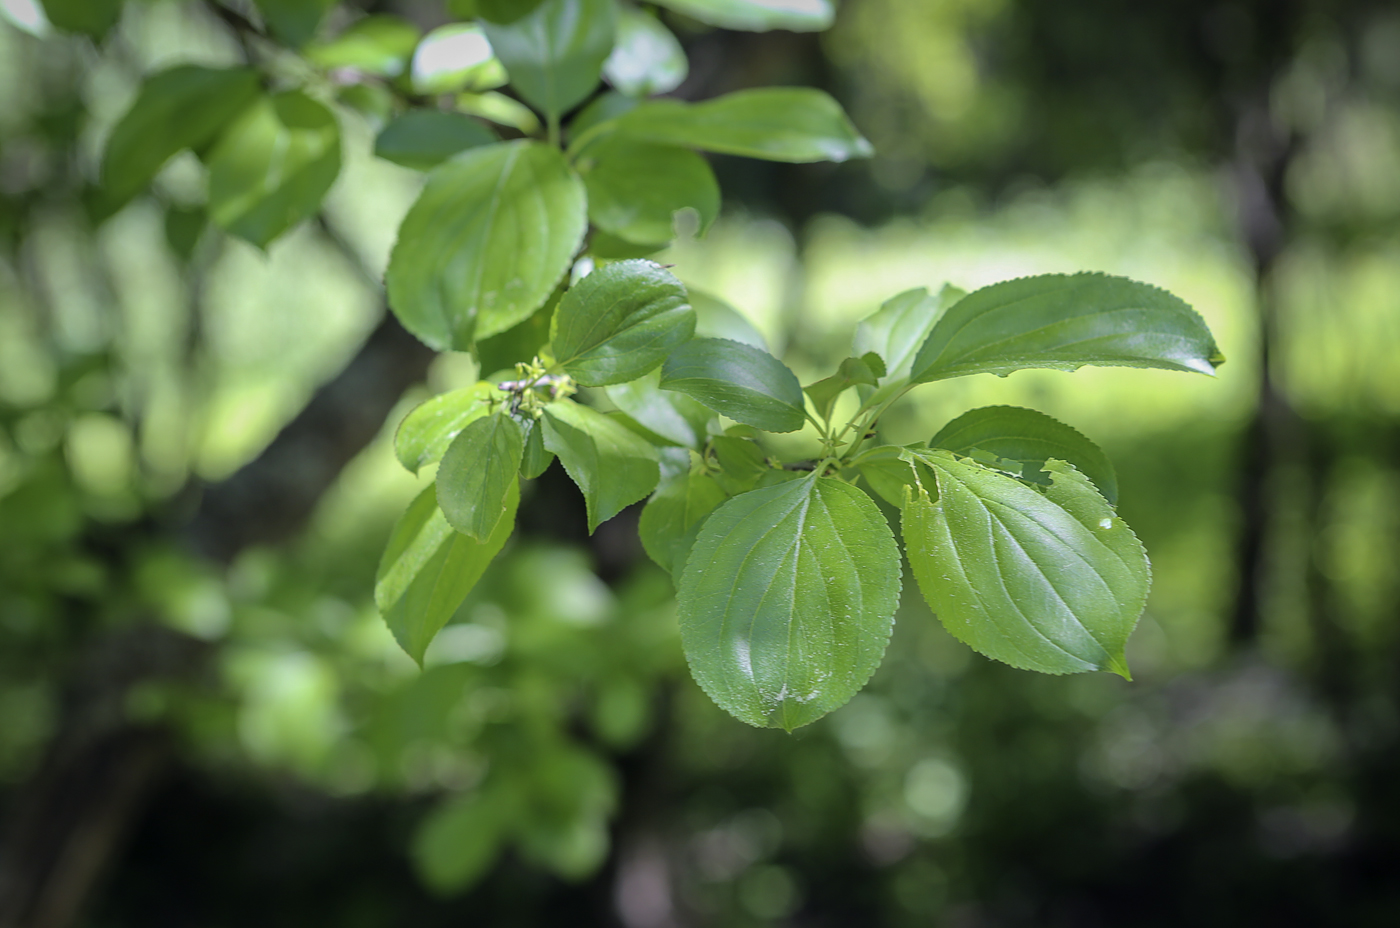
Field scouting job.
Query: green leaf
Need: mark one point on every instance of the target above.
(1027, 439)
(496, 11)
(1051, 581)
(620, 322)
(423, 139)
(773, 123)
(1064, 322)
(500, 109)
(555, 54)
(88, 17)
(183, 107)
(867, 370)
(609, 247)
(520, 342)
(742, 463)
(668, 416)
(458, 842)
(758, 15)
(671, 519)
(635, 189)
(888, 471)
(647, 58)
(737, 380)
(603, 108)
(477, 472)
(613, 467)
(455, 57)
(427, 431)
(714, 318)
(490, 235)
(272, 168)
(294, 21)
(380, 44)
(901, 324)
(787, 600)
(536, 459)
(428, 569)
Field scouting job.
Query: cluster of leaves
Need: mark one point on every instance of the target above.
(527, 248)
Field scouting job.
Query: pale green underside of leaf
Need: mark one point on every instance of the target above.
(423, 436)
(636, 188)
(477, 472)
(1051, 581)
(737, 380)
(774, 123)
(1063, 322)
(758, 15)
(611, 466)
(901, 324)
(428, 569)
(490, 235)
(647, 58)
(554, 55)
(787, 600)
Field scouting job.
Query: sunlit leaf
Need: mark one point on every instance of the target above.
(613, 467)
(620, 322)
(379, 44)
(425, 433)
(737, 380)
(455, 57)
(635, 189)
(554, 55)
(647, 58)
(901, 324)
(758, 15)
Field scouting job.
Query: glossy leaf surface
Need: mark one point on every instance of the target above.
(613, 467)
(787, 600)
(774, 123)
(183, 107)
(647, 58)
(423, 139)
(620, 322)
(737, 380)
(1064, 322)
(671, 519)
(1027, 439)
(758, 15)
(271, 168)
(1052, 581)
(426, 432)
(477, 472)
(555, 54)
(428, 568)
(490, 235)
(635, 188)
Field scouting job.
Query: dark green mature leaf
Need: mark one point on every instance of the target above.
(272, 168)
(787, 600)
(901, 324)
(1064, 322)
(647, 59)
(1051, 581)
(1027, 438)
(865, 370)
(635, 189)
(426, 432)
(667, 416)
(294, 21)
(536, 459)
(428, 569)
(773, 123)
(737, 380)
(758, 15)
(490, 235)
(476, 474)
(613, 467)
(671, 519)
(89, 17)
(455, 57)
(620, 322)
(714, 318)
(379, 44)
(423, 139)
(459, 840)
(495, 11)
(555, 54)
(183, 107)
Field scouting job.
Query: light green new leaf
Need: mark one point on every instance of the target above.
(787, 600)
(272, 168)
(88, 17)
(427, 431)
(500, 109)
(620, 322)
(423, 139)
(458, 841)
(901, 324)
(184, 107)
(737, 380)
(671, 418)
(455, 57)
(1064, 322)
(428, 569)
(1027, 439)
(613, 467)
(379, 44)
(294, 21)
(1051, 581)
(671, 519)
(490, 235)
(758, 15)
(866, 370)
(714, 318)
(635, 189)
(477, 472)
(647, 58)
(774, 123)
(554, 55)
